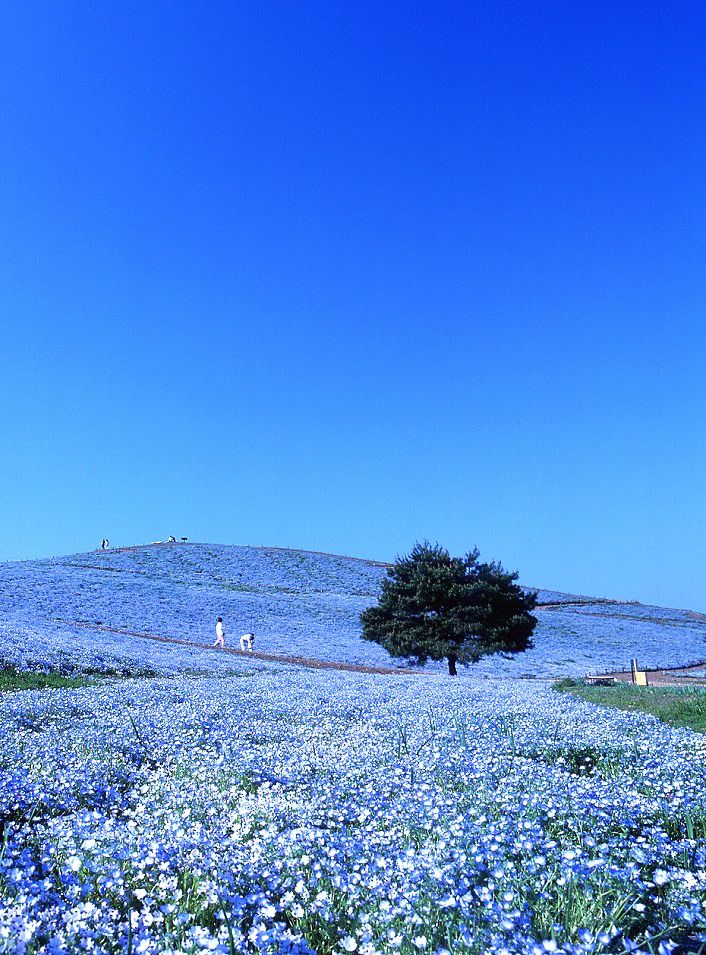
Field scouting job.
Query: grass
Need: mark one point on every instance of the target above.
(678, 706)
(11, 680)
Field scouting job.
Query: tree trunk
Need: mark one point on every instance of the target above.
(452, 666)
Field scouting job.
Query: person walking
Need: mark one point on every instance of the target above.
(220, 634)
(246, 642)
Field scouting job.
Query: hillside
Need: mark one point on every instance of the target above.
(298, 603)
(246, 806)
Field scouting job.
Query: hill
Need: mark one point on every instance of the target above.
(299, 603)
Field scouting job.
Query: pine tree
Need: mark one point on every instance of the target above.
(434, 606)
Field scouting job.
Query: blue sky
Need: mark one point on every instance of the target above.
(345, 276)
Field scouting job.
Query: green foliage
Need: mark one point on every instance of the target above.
(15, 680)
(12, 679)
(437, 607)
(678, 706)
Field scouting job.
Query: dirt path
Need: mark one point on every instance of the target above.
(560, 604)
(255, 654)
(694, 675)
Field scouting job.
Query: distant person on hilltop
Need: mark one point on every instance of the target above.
(246, 642)
(105, 544)
(171, 539)
(220, 634)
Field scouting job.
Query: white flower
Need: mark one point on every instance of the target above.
(349, 944)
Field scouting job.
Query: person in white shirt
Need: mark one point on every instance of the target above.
(246, 641)
(220, 634)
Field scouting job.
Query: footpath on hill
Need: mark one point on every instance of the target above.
(314, 664)
(676, 676)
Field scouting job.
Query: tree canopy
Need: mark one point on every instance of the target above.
(434, 606)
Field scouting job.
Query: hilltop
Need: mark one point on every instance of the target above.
(299, 603)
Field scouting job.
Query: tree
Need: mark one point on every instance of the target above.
(434, 606)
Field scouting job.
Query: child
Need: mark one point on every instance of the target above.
(246, 642)
(220, 634)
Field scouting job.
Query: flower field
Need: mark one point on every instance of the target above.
(284, 810)
(203, 802)
(298, 603)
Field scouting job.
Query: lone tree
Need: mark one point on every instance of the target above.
(435, 606)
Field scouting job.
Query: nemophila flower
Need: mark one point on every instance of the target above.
(297, 789)
(307, 601)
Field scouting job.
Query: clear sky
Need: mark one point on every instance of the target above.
(343, 276)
